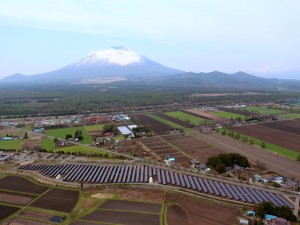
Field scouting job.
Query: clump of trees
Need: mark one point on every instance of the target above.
(220, 162)
(280, 211)
(110, 128)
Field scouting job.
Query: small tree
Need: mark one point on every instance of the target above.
(68, 136)
(26, 136)
(220, 168)
(251, 142)
(263, 145)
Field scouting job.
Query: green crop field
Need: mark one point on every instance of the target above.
(271, 147)
(186, 117)
(48, 144)
(82, 149)
(62, 132)
(290, 115)
(12, 144)
(96, 127)
(228, 115)
(263, 110)
(171, 124)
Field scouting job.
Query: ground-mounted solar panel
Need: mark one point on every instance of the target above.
(101, 175)
(39, 167)
(121, 174)
(125, 174)
(137, 177)
(259, 199)
(150, 171)
(81, 172)
(94, 174)
(142, 174)
(88, 174)
(192, 183)
(248, 199)
(231, 191)
(112, 175)
(68, 169)
(154, 171)
(228, 194)
(65, 168)
(61, 168)
(187, 182)
(75, 175)
(203, 187)
(181, 180)
(158, 175)
(172, 177)
(208, 186)
(241, 196)
(286, 202)
(276, 199)
(196, 182)
(220, 189)
(117, 174)
(167, 177)
(133, 174)
(49, 169)
(45, 168)
(129, 174)
(71, 173)
(31, 166)
(270, 198)
(214, 187)
(146, 177)
(177, 179)
(258, 192)
(53, 172)
(163, 177)
(250, 195)
(107, 175)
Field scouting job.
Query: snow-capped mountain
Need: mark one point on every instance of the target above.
(111, 62)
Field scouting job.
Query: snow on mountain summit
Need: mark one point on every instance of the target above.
(114, 55)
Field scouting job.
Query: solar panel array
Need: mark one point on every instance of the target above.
(141, 174)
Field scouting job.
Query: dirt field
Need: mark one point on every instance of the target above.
(122, 217)
(6, 211)
(162, 149)
(16, 183)
(15, 198)
(58, 199)
(274, 136)
(152, 124)
(23, 221)
(290, 126)
(241, 112)
(131, 206)
(270, 160)
(135, 148)
(174, 120)
(204, 115)
(177, 216)
(204, 213)
(195, 148)
(37, 215)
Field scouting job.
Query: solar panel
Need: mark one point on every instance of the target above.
(259, 199)
(192, 182)
(142, 174)
(158, 176)
(94, 176)
(244, 194)
(228, 194)
(219, 188)
(287, 203)
(66, 168)
(125, 174)
(276, 199)
(172, 177)
(45, 168)
(241, 196)
(81, 172)
(107, 175)
(146, 178)
(113, 174)
(89, 173)
(150, 171)
(269, 198)
(117, 174)
(70, 168)
(186, 180)
(61, 168)
(177, 179)
(50, 170)
(214, 187)
(167, 177)
(181, 180)
(163, 177)
(133, 174)
(154, 171)
(72, 178)
(69, 175)
(231, 191)
(208, 186)
(203, 187)
(250, 195)
(121, 174)
(129, 174)
(137, 177)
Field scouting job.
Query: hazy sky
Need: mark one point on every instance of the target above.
(192, 35)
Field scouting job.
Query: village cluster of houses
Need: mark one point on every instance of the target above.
(279, 181)
(268, 219)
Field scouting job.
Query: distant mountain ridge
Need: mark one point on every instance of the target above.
(112, 62)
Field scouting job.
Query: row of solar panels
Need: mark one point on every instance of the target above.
(142, 173)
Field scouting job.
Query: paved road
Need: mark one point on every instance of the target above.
(272, 161)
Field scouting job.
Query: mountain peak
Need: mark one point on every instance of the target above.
(115, 55)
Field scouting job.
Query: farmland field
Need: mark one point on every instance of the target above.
(48, 144)
(228, 115)
(174, 120)
(81, 149)
(58, 199)
(12, 144)
(204, 115)
(186, 117)
(16, 183)
(62, 132)
(289, 126)
(96, 127)
(290, 115)
(263, 110)
(273, 136)
(15, 198)
(153, 124)
(6, 211)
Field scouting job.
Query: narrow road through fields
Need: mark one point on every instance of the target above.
(272, 161)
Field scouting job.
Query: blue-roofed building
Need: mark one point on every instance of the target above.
(270, 217)
(251, 213)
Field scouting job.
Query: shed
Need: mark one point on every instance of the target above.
(124, 130)
(251, 213)
(244, 221)
(270, 217)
